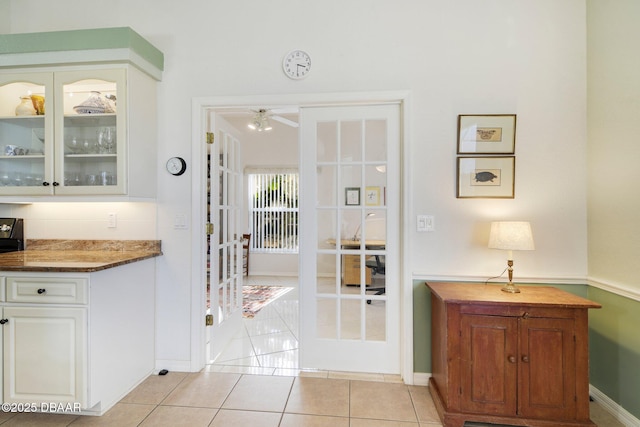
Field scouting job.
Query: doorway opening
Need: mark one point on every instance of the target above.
(201, 121)
(267, 336)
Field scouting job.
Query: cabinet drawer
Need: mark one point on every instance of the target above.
(49, 290)
(351, 261)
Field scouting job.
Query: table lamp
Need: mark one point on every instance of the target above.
(355, 235)
(511, 236)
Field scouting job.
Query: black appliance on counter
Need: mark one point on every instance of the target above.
(11, 234)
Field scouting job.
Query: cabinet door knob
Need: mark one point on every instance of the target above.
(525, 359)
(42, 291)
(3, 321)
(46, 184)
(55, 184)
(511, 359)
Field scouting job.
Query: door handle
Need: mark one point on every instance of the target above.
(525, 359)
(511, 359)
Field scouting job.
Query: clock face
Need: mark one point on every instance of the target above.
(296, 64)
(176, 166)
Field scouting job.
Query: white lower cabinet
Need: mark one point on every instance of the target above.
(78, 341)
(45, 355)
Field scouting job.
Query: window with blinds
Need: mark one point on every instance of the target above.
(273, 211)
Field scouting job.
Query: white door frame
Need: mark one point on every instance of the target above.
(198, 129)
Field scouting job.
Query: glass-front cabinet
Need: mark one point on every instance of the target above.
(63, 133)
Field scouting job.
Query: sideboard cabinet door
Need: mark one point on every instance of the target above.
(489, 347)
(547, 375)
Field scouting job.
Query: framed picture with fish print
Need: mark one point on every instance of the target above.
(488, 134)
(486, 177)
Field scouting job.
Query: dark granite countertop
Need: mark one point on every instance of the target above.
(80, 256)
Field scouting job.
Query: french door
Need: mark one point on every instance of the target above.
(349, 264)
(224, 243)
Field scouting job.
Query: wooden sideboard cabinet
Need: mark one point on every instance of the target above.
(518, 359)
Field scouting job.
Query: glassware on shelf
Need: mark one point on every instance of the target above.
(73, 145)
(107, 139)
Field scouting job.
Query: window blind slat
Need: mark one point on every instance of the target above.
(273, 212)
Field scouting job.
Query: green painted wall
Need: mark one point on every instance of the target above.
(615, 348)
(421, 327)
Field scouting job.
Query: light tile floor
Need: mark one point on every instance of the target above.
(259, 387)
(268, 343)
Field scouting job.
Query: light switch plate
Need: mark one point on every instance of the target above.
(426, 223)
(180, 222)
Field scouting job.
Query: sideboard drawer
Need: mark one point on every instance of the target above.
(47, 290)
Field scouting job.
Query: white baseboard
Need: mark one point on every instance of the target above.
(173, 365)
(421, 378)
(613, 408)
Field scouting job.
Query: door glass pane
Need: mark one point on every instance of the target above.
(22, 134)
(222, 221)
(375, 140)
(220, 264)
(351, 228)
(327, 142)
(351, 182)
(327, 282)
(376, 328)
(376, 185)
(327, 185)
(90, 133)
(328, 236)
(326, 326)
(351, 141)
(350, 320)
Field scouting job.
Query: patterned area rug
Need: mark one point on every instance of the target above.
(256, 297)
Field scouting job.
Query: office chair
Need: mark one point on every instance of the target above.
(377, 266)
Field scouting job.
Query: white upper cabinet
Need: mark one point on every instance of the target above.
(81, 131)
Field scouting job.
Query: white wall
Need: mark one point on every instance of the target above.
(135, 221)
(455, 56)
(614, 229)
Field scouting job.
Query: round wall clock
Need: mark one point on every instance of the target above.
(176, 166)
(296, 64)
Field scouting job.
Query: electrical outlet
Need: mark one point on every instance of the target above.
(112, 220)
(180, 222)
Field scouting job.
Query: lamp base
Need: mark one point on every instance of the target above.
(510, 288)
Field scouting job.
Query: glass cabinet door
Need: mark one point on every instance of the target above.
(90, 132)
(26, 134)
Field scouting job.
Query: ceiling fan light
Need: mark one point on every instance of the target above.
(260, 122)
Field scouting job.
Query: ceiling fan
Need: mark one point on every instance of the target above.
(260, 121)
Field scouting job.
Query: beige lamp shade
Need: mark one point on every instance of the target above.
(511, 236)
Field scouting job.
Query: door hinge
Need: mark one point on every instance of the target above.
(208, 320)
(210, 137)
(209, 228)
